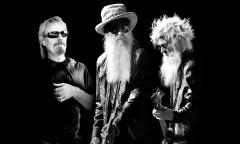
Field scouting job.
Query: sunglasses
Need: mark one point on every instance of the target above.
(123, 29)
(119, 25)
(164, 45)
(55, 34)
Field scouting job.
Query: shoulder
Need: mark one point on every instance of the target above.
(101, 59)
(188, 67)
(101, 65)
(73, 64)
(190, 64)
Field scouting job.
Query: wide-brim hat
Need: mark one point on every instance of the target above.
(113, 12)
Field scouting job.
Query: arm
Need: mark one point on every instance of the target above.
(121, 117)
(98, 123)
(85, 99)
(83, 86)
(189, 93)
(98, 120)
(98, 117)
(66, 91)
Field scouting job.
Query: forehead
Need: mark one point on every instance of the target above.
(57, 26)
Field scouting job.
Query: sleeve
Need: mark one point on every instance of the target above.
(137, 90)
(88, 81)
(122, 116)
(81, 76)
(98, 117)
(189, 92)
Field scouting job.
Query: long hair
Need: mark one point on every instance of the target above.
(173, 29)
(42, 30)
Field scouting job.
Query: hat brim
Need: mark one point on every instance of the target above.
(130, 15)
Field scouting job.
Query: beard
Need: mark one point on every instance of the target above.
(169, 68)
(60, 50)
(118, 60)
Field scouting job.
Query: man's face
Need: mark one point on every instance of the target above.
(167, 47)
(55, 39)
(119, 27)
(170, 61)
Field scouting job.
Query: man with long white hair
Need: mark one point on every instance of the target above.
(122, 97)
(178, 87)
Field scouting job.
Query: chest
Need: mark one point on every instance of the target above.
(59, 74)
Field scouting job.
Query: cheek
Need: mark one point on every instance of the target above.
(52, 42)
(65, 40)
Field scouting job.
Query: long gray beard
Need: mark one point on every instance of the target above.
(118, 57)
(169, 69)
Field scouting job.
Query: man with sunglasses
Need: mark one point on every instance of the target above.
(178, 85)
(123, 111)
(67, 89)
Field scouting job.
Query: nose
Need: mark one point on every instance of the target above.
(60, 36)
(60, 39)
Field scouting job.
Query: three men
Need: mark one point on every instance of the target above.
(123, 88)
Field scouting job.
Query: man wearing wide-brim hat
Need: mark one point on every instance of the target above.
(123, 112)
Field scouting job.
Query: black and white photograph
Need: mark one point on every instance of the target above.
(119, 72)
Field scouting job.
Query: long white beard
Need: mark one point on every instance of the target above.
(118, 57)
(169, 68)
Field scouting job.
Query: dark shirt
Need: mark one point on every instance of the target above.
(61, 120)
(182, 98)
(127, 105)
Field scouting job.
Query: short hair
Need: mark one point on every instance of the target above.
(173, 29)
(42, 30)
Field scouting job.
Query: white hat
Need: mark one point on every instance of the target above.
(113, 12)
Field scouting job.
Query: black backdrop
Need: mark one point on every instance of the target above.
(216, 26)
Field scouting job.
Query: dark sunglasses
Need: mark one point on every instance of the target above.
(118, 25)
(164, 45)
(55, 34)
(123, 29)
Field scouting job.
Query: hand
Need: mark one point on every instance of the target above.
(64, 91)
(95, 140)
(163, 114)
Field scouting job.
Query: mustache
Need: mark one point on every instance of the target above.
(121, 37)
(59, 43)
(116, 37)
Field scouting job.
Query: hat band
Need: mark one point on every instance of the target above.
(115, 15)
